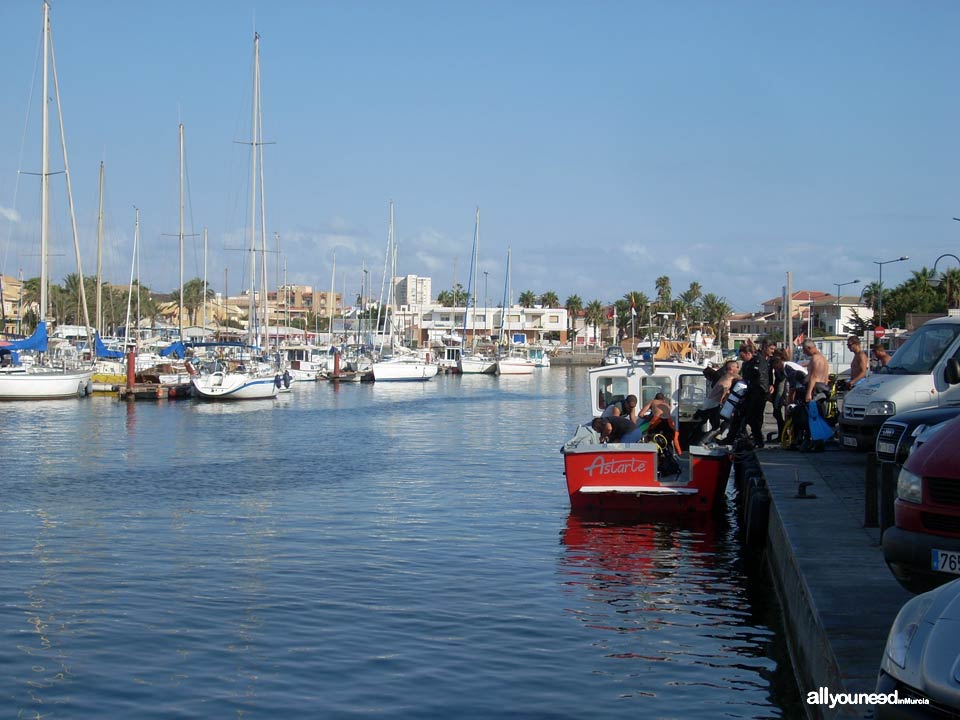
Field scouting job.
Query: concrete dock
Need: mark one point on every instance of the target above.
(837, 594)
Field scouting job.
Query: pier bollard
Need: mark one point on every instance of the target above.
(888, 494)
(870, 516)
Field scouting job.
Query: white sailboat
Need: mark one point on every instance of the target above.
(512, 360)
(474, 362)
(251, 380)
(399, 364)
(38, 381)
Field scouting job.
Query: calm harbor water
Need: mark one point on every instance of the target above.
(390, 551)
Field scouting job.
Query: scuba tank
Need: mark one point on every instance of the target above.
(734, 400)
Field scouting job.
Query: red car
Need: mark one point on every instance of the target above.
(923, 547)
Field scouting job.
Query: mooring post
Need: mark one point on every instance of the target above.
(888, 494)
(870, 517)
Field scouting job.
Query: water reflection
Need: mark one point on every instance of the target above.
(666, 610)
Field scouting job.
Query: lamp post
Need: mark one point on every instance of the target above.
(934, 281)
(839, 317)
(880, 264)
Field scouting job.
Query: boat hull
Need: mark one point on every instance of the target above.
(622, 477)
(44, 385)
(235, 386)
(477, 366)
(515, 367)
(403, 371)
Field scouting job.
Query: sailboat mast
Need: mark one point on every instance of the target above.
(251, 303)
(332, 300)
(98, 322)
(133, 265)
(180, 311)
(45, 170)
(506, 294)
(204, 311)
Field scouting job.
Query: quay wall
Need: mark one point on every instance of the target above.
(837, 596)
(586, 359)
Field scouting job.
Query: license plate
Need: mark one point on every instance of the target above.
(885, 447)
(945, 561)
(849, 441)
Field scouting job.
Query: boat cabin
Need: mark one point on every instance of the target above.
(683, 382)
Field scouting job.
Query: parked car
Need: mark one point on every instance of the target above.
(920, 659)
(898, 434)
(924, 373)
(922, 548)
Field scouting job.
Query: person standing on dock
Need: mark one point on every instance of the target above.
(755, 371)
(860, 363)
(881, 355)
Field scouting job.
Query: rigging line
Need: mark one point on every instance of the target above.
(23, 142)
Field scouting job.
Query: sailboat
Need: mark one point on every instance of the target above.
(251, 379)
(399, 364)
(39, 381)
(512, 360)
(474, 362)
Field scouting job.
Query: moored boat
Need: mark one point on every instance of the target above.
(626, 476)
(634, 476)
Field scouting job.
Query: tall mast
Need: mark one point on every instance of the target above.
(45, 169)
(133, 265)
(180, 312)
(251, 304)
(204, 311)
(332, 298)
(98, 322)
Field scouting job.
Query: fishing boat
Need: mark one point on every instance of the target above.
(633, 475)
(42, 380)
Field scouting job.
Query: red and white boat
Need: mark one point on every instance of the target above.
(626, 476)
(623, 476)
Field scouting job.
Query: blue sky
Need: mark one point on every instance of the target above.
(607, 143)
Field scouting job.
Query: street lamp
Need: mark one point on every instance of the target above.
(880, 264)
(839, 317)
(934, 281)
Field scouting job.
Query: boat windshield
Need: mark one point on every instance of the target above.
(920, 354)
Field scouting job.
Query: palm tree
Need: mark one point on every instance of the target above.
(951, 287)
(574, 305)
(195, 294)
(662, 285)
(528, 299)
(689, 299)
(594, 316)
(549, 299)
(716, 311)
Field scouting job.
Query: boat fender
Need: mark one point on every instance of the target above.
(758, 514)
(278, 381)
(286, 379)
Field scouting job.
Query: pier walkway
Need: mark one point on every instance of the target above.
(838, 596)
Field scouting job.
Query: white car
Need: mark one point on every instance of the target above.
(922, 658)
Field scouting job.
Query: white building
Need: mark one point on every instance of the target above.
(413, 291)
(432, 323)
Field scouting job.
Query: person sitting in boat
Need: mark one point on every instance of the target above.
(657, 411)
(623, 408)
(617, 429)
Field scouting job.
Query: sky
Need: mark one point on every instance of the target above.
(606, 143)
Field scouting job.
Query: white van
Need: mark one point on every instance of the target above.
(924, 372)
